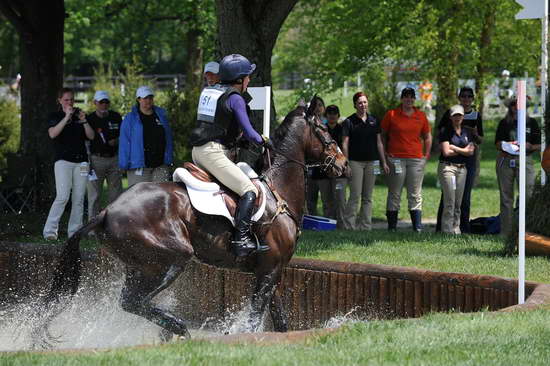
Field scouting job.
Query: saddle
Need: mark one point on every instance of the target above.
(209, 196)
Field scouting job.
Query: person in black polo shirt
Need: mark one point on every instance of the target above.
(362, 145)
(103, 153)
(69, 130)
(456, 143)
(333, 190)
(473, 121)
(506, 142)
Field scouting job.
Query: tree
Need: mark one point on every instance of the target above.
(41, 47)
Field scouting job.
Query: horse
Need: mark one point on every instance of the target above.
(154, 230)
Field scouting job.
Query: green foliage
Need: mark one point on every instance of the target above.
(153, 33)
(122, 89)
(10, 128)
(182, 111)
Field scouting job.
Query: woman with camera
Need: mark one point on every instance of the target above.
(69, 131)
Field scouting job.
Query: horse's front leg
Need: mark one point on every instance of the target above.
(278, 312)
(265, 286)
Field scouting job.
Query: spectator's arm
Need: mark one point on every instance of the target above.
(345, 146)
(427, 137)
(124, 144)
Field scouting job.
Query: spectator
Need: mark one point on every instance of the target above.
(456, 144)
(145, 144)
(103, 153)
(362, 145)
(473, 121)
(333, 190)
(407, 143)
(316, 111)
(506, 141)
(69, 130)
(211, 73)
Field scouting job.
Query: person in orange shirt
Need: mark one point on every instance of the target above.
(407, 140)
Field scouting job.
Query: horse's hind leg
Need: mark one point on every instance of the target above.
(278, 311)
(141, 288)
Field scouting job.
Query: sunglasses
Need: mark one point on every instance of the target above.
(104, 101)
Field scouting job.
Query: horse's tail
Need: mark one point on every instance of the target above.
(67, 273)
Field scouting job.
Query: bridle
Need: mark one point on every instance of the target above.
(315, 129)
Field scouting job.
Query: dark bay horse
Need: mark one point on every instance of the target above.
(154, 230)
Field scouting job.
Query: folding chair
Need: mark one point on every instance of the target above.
(18, 189)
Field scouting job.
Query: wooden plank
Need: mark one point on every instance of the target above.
(460, 293)
(418, 299)
(383, 297)
(333, 309)
(392, 291)
(478, 298)
(427, 298)
(434, 294)
(451, 290)
(487, 295)
(444, 297)
(342, 292)
(317, 299)
(408, 299)
(360, 295)
(375, 293)
(350, 293)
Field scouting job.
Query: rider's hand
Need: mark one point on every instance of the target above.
(268, 144)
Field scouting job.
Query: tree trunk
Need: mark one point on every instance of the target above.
(482, 66)
(41, 47)
(251, 28)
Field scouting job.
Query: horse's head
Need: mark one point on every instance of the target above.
(321, 148)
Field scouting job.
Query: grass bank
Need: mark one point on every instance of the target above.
(437, 339)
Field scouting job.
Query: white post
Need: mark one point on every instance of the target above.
(267, 110)
(543, 75)
(521, 106)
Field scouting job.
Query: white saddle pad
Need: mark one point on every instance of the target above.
(205, 196)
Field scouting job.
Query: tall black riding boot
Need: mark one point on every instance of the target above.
(392, 220)
(243, 241)
(416, 218)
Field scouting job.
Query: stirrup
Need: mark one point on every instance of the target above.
(241, 250)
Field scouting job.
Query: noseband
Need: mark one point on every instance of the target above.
(330, 160)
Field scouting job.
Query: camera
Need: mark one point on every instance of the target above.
(75, 116)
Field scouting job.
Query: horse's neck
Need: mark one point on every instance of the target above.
(288, 179)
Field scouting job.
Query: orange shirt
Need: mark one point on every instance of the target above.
(405, 132)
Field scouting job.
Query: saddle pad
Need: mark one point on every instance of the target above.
(207, 197)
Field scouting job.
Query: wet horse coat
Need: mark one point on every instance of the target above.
(155, 231)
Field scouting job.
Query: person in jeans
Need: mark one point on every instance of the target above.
(333, 190)
(69, 130)
(456, 144)
(407, 142)
(474, 122)
(103, 153)
(362, 145)
(145, 147)
(507, 164)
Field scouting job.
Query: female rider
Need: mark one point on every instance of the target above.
(222, 114)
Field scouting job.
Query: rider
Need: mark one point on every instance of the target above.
(222, 114)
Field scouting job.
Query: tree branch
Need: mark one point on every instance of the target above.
(12, 12)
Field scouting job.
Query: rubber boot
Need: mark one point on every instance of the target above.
(416, 218)
(392, 220)
(243, 241)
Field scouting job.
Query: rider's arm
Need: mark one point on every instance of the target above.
(237, 105)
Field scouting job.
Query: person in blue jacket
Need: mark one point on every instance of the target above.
(146, 146)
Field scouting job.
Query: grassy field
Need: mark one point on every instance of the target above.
(436, 339)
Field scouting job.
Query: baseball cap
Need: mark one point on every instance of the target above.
(100, 95)
(212, 67)
(457, 109)
(408, 91)
(144, 91)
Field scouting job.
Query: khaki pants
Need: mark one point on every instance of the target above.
(158, 174)
(452, 179)
(412, 176)
(361, 186)
(333, 195)
(508, 178)
(105, 169)
(212, 157)
(70, 181)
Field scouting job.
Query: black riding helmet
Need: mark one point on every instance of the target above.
(235, 67)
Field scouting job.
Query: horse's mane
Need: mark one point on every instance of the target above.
(280, 135)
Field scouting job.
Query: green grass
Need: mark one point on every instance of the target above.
(473, 254)
(436, 339)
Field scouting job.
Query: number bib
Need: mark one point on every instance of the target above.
(208, 103)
